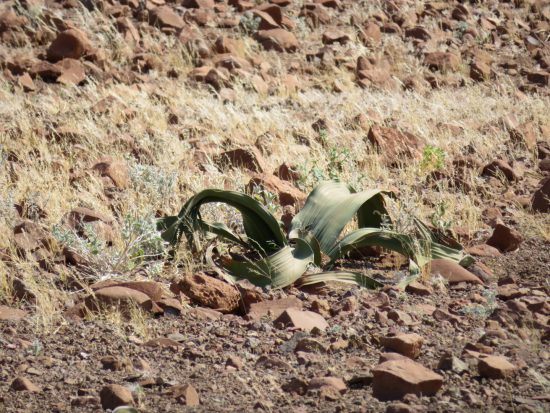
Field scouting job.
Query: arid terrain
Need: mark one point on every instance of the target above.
(114, 113)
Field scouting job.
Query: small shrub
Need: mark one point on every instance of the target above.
(433, 159)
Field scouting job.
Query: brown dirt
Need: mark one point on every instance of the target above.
(148, 102)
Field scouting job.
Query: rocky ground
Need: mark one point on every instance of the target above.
(113, 113)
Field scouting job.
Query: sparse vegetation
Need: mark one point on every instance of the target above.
(115, 113)
(314, 233)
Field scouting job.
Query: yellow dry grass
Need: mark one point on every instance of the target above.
(55, 174)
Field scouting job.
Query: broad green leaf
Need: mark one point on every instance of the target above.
(262, 229)
(332, 205)
(278, 270)
(420, 251)
(311, 240)
(340, 276)
(167, 226)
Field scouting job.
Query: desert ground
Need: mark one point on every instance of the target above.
(115, 114)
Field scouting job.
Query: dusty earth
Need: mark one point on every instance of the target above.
(114, 112)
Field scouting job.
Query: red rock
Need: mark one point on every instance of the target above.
(544, 165)
(395, 378)
(198, 4)
(371, 34)
(206, 314)
(126, 27)
(185, 394)
(30, 236)
(267, 22)
(72, 72)
(304, 320)
(26, 82)
(419, 289)
(418, 32)
(539, 77)
(495, 367)
(295, 385)
(225, 44)
(120, 297)
(114, 395)
(335, 36)
(460, 12)
(390, 27)
(9, 20)
(406, 344)
(452, 272)
(45, 70)
(211, 76)
(231, 62)
(259, 85)
(335, 382)
(480, 71)
(79, 216)
(250, 158)
(234, 362)
(72, 44)
(280, 40)
(11, 314)
(334, 4)
(288, 173)
(483, 250)
(273, 308)
(498, 167)
(24, 384)
(310, 345)
(164, 16)
(241, 5)
(524, 134)
(210, 292)
(273, 10)
(115, 170)
(394, 144)
(150, 288)
(287, 193)
(541, 197)
(505, 239)
(442, 61)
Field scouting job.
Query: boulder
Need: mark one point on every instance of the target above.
(287, 193)
(210, 292)
(24, 384)
(115, 171)
(304, 320)
(452, 272)
(406, 344)
(495, 367)
(165, 16)
(120, 297)
(393, 143)
(272, 308)
(280, 40)
(442, 61)
(71, 43)
(505, 239)
(393, 379)
(114, 395)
